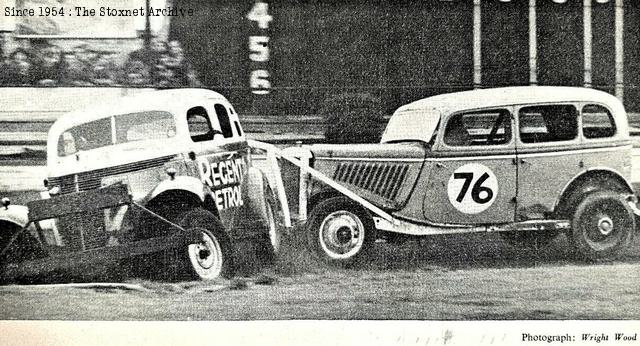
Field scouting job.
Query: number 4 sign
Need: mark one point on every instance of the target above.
(260, 14)
(472, 188)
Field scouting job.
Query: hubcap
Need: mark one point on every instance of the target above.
(599, 230)
(206, 257)
(341, 234)
(605, 225)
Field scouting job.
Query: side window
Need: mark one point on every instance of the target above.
(487, 127)
(552, 123)
(148, 125)
(597, 122)
(238, 128)
(236, 123)
(223, 119)
(199, 125)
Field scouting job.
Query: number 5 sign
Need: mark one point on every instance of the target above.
(472, 188)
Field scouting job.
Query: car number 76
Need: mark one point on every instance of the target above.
(477, 189)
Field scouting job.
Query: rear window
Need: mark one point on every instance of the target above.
(597, 122)
(549, 123)
(223, 119)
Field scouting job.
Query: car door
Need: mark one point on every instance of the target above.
(220, 164)
(473, 176)
(548, 156)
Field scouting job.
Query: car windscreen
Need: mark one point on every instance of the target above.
(412, 125)
(91, 135)
(128, 128)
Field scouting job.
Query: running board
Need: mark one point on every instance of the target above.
(404, 227)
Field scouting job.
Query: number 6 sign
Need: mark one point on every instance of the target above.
(472, 188)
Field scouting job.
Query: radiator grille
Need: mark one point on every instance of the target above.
(92, 179)
(383, 179)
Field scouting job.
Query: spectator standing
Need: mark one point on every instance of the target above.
(74, 73)
(104, 71)
(19, 68)
(49, 66)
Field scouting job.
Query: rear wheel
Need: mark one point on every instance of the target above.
(602, 226)
(274, 224)
(339, 231)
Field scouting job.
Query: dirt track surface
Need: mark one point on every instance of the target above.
(448, 278)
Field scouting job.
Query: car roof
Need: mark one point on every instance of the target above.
(495, 97)
(418, 120)
(168, 99)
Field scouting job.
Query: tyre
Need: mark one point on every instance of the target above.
(211, 257)
(25, 247)
(339, 231)
(602, 226)
(530, 240)
(274, 224)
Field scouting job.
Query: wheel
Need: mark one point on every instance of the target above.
(211, 257)
(602, 226)
(271, 242)
(275, 227)
(533, 240)
(339, 231)
(24, 247)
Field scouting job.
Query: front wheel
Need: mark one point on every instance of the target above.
(339, 231)
(210, 257)
(602, 226)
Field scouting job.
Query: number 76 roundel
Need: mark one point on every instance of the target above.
(472, 188)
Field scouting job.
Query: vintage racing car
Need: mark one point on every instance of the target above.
(165, 174)
(528, 162)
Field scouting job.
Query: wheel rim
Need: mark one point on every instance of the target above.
(273, 231)
(341, 235)
(206, 256)
(602, 225)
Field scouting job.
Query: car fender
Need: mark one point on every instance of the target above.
(19, 216)
(16, 214)
(185, 183)
(567, 188)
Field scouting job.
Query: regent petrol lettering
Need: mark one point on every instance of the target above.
(230, 196)
(219, 175)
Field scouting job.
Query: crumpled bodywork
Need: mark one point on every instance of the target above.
(384, 174)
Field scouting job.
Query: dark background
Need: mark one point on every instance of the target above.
(398, 50)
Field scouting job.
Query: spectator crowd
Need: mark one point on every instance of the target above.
(162, 64)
